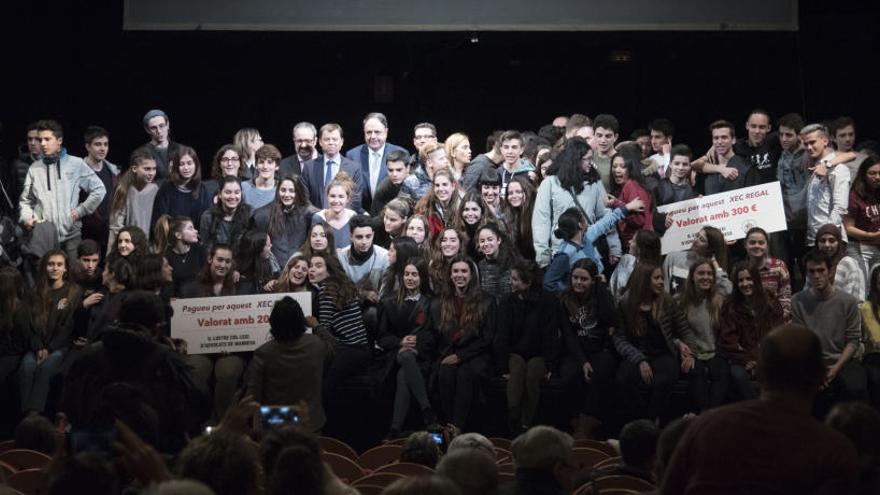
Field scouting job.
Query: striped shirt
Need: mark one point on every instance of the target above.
(347, 325)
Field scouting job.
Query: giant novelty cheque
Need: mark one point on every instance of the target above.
(228, 324)
(733, 212)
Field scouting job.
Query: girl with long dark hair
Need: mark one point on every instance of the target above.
(400, 252)
(256, 265)
(52, 327)
(467, 328)
(227, 221)
(320, 240)
(183, 194)
(746, 317)
(589, 323)
(498, 258)
(659, 341)
(862, 223)
(441, 203)
(287, 219)
(701, 303)
(775, 279)
(447, 244)
(217, 279)
(339, 312)
(517, 209)
(627, 186)
(407, 334)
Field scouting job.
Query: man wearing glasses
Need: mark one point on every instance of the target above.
(305, 137)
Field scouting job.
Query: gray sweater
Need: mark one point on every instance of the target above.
(51, 191)
(835, 320)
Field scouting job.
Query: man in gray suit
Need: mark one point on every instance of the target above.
(317, 173)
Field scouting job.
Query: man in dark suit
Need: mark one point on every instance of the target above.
(305, 138)
(317, 173)
(289, 369)
(373, 154)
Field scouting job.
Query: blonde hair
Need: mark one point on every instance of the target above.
(452, 142)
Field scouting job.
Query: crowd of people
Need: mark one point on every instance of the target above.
(436, 271)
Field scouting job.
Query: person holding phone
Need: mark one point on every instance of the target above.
(289, 368)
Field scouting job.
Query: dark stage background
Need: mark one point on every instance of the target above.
(72, 61)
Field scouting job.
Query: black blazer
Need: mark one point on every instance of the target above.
(313, 179)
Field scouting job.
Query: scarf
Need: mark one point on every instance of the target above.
(357, 258)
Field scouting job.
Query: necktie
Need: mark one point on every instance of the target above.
(374, 169)
(328, 176)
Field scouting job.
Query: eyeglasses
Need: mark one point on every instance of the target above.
(426, 136)
(227, 160)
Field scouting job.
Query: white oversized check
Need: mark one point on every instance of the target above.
(733, 212)
(228, 324)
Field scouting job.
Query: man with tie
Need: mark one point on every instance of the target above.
(305, 137)
(317, 173)
(373, 154)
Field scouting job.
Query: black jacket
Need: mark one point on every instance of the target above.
(528, 328)
(159, 379)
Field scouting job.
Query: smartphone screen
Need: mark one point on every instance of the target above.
(277, 416)
(98, 441)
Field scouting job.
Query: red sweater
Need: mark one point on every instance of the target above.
(633, 222)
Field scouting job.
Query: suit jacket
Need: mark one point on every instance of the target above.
(289, 167)
(313, 179)
(360, 155)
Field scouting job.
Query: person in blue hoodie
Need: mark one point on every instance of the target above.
(577, 241)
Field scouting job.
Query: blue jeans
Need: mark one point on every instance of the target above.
(34, 379)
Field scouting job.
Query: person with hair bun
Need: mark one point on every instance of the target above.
(578, 236)
(338, 213)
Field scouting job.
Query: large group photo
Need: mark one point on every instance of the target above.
(674, 300)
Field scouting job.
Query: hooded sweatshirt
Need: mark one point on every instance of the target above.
(52, 190)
